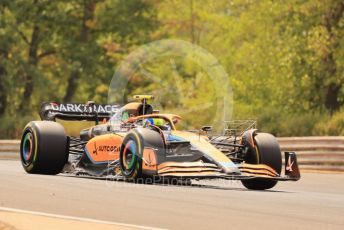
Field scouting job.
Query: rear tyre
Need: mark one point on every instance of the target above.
(44, 147)
(267, 151)
(130, 156)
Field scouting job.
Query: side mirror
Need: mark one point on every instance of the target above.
(206, 128)
(90, 103)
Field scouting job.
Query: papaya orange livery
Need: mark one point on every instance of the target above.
(104, 148)
(135, 142)
(149, 160)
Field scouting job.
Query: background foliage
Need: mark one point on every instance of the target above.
(284, 59)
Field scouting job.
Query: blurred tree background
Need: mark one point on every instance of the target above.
(284, 59)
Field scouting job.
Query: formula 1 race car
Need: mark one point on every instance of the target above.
(134, 142)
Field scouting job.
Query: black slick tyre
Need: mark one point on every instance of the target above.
(267, 151)
(131, 156)
(44, 147)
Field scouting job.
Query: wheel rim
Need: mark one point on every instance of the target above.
(129, 155)
(27, 148)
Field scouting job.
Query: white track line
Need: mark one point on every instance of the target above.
(77, 218)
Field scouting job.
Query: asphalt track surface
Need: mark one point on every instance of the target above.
(314, 202)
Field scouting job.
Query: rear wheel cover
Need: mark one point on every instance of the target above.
(27, 147)
(129, 155)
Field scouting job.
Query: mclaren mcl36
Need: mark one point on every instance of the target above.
(134, 142)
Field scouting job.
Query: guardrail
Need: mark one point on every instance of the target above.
(314, 153)
(9, 149)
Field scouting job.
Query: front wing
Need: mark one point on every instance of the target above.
(201, 170)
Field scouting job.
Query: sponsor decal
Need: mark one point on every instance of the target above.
(106, 148)
(82, 108)
(95, 149)
(149, 159)
(290, 164)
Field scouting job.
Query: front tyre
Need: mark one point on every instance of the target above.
(130, 156)
(44, 147)
(266, 151)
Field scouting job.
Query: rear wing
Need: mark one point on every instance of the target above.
(77, 112)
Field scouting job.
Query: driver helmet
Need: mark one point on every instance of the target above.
(154, 121)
